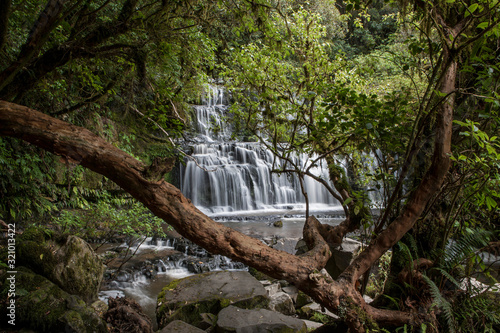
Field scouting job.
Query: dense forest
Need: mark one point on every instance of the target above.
(95, 105)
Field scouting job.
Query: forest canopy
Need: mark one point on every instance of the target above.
(95, 104)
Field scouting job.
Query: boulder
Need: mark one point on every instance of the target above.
(293, 292)
(312, 325)
(44, 307)
(186, 299)
(178, 326)
(282, 302)
(272, 289)
(233, 319)
(302, 299)
(66, 260)
(343, 256)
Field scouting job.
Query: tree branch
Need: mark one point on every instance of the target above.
(4, 20)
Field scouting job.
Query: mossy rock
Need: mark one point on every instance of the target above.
(44, 307)
(66, 260)
(186, 299)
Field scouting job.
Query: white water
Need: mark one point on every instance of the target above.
(235, 178)
(240, 184)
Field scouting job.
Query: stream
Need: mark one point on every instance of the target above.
(157, 263)
(232, 182)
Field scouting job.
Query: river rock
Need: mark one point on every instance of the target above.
(271, 289)
(178, 326)
(44, 307)
(283, 303)
(66, 260)
(292, 291)
(186, 299)
(234, 319)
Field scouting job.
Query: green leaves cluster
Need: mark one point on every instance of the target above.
(106, 221)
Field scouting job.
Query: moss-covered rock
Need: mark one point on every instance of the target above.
(42, 306)
(66, 260)
(186, 299)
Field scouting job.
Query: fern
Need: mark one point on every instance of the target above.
(448, 276)
(465, 246)
(441, 303)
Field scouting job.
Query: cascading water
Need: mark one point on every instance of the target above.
(222, 178)
(225, 177)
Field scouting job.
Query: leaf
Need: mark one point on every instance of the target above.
(347, 201)
(473, 7)
(41, 256)
(491, 203)
(482, 25)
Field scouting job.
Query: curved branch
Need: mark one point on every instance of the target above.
(430, 184)
(163, 199)
(167, 202)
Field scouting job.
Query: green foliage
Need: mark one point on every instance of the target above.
(26, 181)
(442, 303)
(106, 222)
(464, 307)
(376, 283)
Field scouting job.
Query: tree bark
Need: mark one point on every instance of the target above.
(81, 146)
(429, 185)
(4, 21)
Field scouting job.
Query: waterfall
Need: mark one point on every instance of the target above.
(228, 177)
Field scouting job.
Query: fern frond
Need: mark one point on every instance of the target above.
(406, 250)
(448, 276)
(466, 246)
(441, 303)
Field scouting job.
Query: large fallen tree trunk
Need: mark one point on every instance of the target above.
(81, 146)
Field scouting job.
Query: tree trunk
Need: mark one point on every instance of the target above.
(81, 146)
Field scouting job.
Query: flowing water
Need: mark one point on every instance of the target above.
(227, 177)
(231, 181)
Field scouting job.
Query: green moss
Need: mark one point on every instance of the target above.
(348, 309)
(338, 173)
(47, 308)
(224, 303)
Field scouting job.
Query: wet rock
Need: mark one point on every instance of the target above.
(186, 299)
(44, 307)
(126, 315)
(68, 261)
(233, 319)
(178, 326)
(278, 224)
